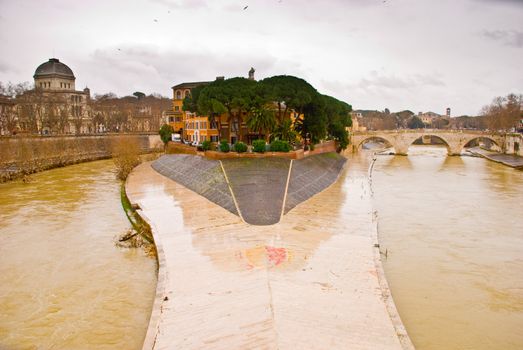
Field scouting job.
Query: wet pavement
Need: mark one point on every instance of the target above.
(312, 175)
(511, 160)
(202, 175)
(309, 282)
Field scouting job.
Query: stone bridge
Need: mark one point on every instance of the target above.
(400, 140)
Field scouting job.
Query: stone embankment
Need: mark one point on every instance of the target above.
(200, 175)
(312, 175)
(510, 160)
(26, 155)
(310, 281)
(259, 190)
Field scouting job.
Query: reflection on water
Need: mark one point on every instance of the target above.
(454, 233)
(63, 283)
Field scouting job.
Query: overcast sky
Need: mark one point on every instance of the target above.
(399, 54)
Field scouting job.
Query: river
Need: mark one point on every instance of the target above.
(63, 282)
(453, 231)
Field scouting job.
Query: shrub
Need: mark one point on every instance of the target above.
(258, 146)
(126, 155)
(206, 145)
(165, 133)
(240, 147)
(280, 146)
(224, 146)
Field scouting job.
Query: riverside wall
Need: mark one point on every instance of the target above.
(325, 147)
(24, 155)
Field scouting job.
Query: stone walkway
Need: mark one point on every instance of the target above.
(310, 281)
(510, 160)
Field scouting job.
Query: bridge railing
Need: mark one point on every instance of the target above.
(429, 131)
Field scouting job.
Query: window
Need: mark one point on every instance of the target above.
(186, 93)
(176, 108)
(171, 119)
(214, 138)
(178, 95)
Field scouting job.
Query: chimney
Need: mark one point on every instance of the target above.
(251, 74)
(448, 112)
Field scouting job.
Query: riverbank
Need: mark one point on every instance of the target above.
(22, 156)
(513, 161)
(309, 281)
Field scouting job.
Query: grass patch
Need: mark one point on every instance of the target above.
(142, 236)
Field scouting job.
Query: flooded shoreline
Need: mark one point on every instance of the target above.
(63, 282)
(452, 228)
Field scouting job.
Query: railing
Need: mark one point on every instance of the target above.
(431, 131)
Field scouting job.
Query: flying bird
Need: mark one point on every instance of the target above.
(245, 8)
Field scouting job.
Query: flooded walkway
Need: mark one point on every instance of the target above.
(309, 282)
(510, 160)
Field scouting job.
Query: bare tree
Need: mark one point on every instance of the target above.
(504, 112)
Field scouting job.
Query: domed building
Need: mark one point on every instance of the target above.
(55, 106)
(54, 75)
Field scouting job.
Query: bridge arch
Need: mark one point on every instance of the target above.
(380, 138)
(400, 140)
(446, 143)
(468, 140)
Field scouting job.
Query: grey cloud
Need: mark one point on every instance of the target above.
(379, 80)
(507, 37)
(4, 67)
(512, 2)
(121, 69)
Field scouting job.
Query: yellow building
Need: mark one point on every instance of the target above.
(178, 118)
(191, 126)
(198, 128)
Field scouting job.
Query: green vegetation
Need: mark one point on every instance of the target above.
(165, 133)
(280, 146)
(415, 123)
(240, 147)
(224, 146)
(258, 146)
(280, 107)
(206, 145)
(140, 227)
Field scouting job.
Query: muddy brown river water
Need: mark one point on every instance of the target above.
(63, 282)
(453, 229)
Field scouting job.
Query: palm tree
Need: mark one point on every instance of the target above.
(261, 120)
(285, 132)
